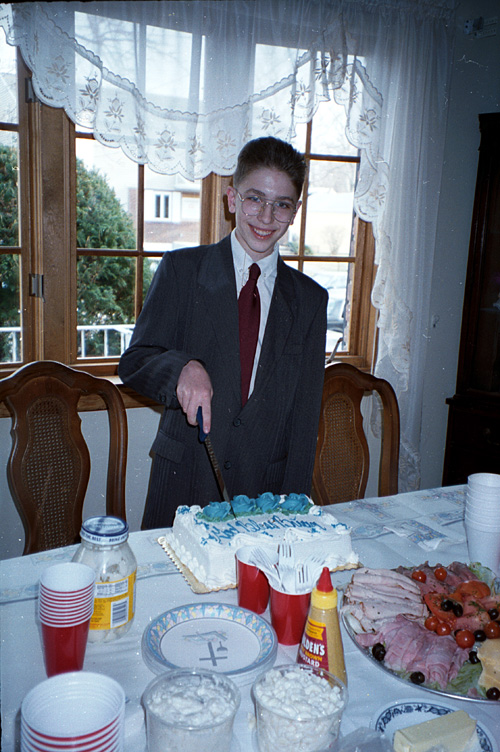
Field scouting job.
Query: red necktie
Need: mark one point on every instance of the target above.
(249, 320)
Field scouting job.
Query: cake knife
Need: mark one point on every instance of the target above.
(205, 439)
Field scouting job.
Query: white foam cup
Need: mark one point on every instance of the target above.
(477, 498)
(489, 521)
(483, 545)
(74, 706)
(484, 481)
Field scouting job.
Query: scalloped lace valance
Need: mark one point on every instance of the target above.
(183, 85)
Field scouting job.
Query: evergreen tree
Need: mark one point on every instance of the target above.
(105, 284)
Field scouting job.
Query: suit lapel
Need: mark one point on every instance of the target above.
(217, 289)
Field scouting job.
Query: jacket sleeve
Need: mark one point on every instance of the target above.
(307, 404)
(153, 362)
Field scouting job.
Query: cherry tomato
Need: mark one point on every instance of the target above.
(440, 573)
(465, 638)
(431, 623)
(473, 588)
(419, 575)
(492, 630)
(443, 628)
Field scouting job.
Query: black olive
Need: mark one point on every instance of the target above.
(378, 651)
(473, 657)
(493, 693)
(493, 613)
(446, 605)
(479, 635)
(458, 609)
(417, 677)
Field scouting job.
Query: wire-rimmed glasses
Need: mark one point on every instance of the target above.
(282, 210)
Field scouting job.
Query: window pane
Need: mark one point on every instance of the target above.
(333, 277)
(9, 200)
(8, 82)
(10, 309)
(328, 132)
(106, 197)
(105, 305)
(172, 207)
(330, 208)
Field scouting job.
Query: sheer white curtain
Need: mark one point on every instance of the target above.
(183, 85)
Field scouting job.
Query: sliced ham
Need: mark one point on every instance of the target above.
(410, 647)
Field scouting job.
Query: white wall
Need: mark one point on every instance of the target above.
(475, 89)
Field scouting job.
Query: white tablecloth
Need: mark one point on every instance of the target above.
(160, 587)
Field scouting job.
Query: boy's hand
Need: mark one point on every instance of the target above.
(194, 389)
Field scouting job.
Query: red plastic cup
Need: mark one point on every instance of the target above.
(253, 586)
(64, 647)
(288, 615)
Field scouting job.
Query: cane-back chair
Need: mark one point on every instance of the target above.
(342, 460)
(49, 465)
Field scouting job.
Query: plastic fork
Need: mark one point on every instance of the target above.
(286, 565)
(303, 582)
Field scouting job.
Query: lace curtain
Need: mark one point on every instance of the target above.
(183, 85)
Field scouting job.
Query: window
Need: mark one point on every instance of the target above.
(328, 242)
(10, 246)
(93, 226)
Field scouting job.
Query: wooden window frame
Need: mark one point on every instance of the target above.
(47, 177)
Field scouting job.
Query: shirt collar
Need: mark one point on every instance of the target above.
(242, 261)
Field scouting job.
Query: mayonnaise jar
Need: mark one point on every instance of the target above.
(104, 547)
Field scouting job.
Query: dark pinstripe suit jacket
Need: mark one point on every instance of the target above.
(191, 312)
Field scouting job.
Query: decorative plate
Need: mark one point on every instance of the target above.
(404, 713)
(215, 636)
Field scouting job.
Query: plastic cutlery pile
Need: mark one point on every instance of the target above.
(283, 571)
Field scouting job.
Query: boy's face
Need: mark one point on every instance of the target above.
(259, 233)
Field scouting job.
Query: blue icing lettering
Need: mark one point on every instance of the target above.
(231, 530)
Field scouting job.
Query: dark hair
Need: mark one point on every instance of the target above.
(271, 152)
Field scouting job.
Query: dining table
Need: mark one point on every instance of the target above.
(407, 529)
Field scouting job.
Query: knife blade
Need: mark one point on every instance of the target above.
(205, 439)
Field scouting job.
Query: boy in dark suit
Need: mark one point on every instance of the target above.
(207, 306)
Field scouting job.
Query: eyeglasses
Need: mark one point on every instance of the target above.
(283, 211)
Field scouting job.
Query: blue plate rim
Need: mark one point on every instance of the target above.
(248, 617)
(486, 740)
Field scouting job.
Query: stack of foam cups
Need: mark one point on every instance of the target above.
(482, 519)
(78, 711)
(65, 605)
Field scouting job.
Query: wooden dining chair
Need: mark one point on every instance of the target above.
(342, 461)
(49, 465)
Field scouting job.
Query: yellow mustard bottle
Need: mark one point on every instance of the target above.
(321, 645)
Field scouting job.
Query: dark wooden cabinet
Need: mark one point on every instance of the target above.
(473, 437)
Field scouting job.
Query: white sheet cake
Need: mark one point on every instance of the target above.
(205, 540)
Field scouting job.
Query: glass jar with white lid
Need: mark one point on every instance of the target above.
(104, 547)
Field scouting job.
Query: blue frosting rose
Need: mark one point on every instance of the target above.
(296, 504)
(217, 511)
(243, 506)
(267, 502)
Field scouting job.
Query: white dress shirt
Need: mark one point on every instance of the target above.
(265, 284)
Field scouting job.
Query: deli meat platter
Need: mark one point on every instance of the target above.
(426, 625)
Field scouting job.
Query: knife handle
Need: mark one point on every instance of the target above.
(199, 417)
